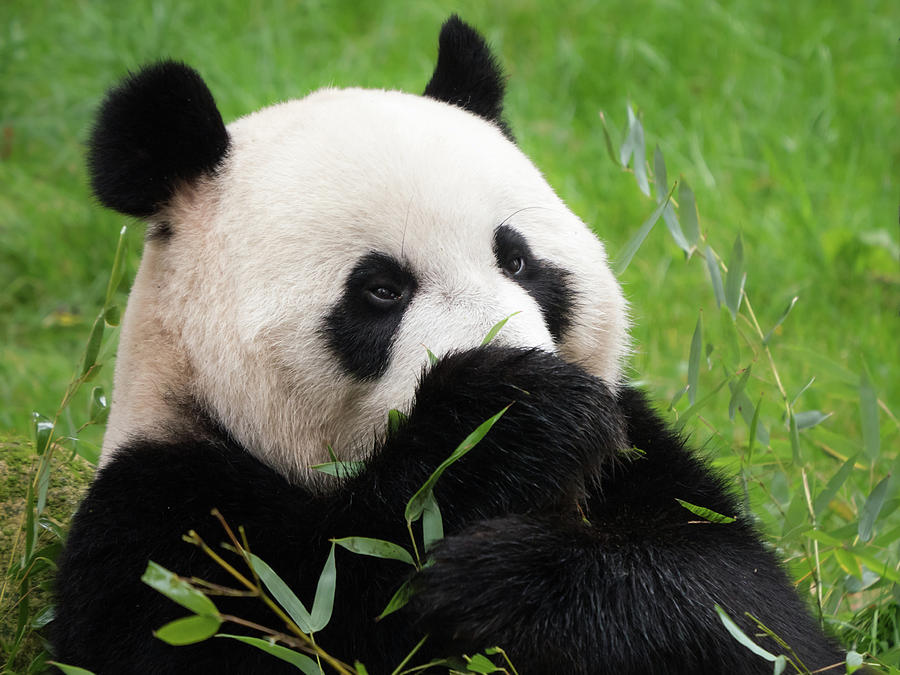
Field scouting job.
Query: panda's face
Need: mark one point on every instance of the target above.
(294, 293)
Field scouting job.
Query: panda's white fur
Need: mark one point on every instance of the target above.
(229, 310)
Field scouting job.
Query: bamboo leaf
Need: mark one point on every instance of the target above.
(627, 149)
(432, 524)
(341, 469)
(781, 319)
(868, 408)
(178, 590)
(492, 333)
(736, 393)
(823, 499)
(377, 548)
(705, 513)
(323, 604)
(118, 268)
(189, 630)
(810, 418)
(627, 253)
(639, 164)
(741, 637)
(735, 278)
(872, 508)
(301, 661)
(283, 595)
(70, 670)
(659, 175)
(417, 502)
(715, 277)
(93, 345)
(610, 149)
(687, 209)
(694, 360)
(398, 600)
(396, 419)
(795, 441)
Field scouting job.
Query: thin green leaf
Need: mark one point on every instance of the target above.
(687, 209)
(432, 523)
(627, 149)
(398, 600)
(659, 175)
(112, 315)
(118, 268)
(492, 333)
(802, 390)
(301, 661)
(810, 418)
(872, 508)
(85, 449)
(735, 278)
(99, 406)
(671, 221)
(93, 345)
(639, 165)
(731, 343)
(396, 419)
(754, 425)
(781, 319)
(42, 432)
(779, 665)
(282, 593)
(432, 359)
(868, 408)
(823, 499)
(715, 277)
(741, 637)
(70, 670)
(627, 253)
(736, 390)
(341, 469)
(610, 148)
(417, 502)
(479, 663)
(707, 514)
(848, 562)
(854, 661)
(881, 568)
(824, 538)
(694, 360)
(377, 548)
(677, 397)
(323, 604)
(795, 442)
(177, 589)
(361, 669)
(745, 405)
(694, 409)
(189, 630)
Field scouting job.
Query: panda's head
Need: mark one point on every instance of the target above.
(302, 261)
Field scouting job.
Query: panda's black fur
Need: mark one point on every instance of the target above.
(569, 553)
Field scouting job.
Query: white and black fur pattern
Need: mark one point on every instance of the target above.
(299, 264)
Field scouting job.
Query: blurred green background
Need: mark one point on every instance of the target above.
(782, 116)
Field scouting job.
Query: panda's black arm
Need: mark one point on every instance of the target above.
(632, 592)
(140, 505)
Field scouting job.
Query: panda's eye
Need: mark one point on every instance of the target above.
(514, 266)
(383, 296)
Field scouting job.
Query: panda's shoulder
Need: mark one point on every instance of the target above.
(182, 481)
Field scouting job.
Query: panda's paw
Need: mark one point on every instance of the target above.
(513, 582)
(561, 424)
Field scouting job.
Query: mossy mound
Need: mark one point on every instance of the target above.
(69, 477)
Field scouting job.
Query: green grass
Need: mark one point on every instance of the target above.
(784, 118)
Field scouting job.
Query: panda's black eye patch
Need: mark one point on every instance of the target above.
(545, 282)
(361, 326)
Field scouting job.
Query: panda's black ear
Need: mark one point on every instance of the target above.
(467, 74)
(158, 129)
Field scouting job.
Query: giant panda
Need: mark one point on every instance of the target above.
(299, 266)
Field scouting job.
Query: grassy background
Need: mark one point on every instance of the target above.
(782, 116)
